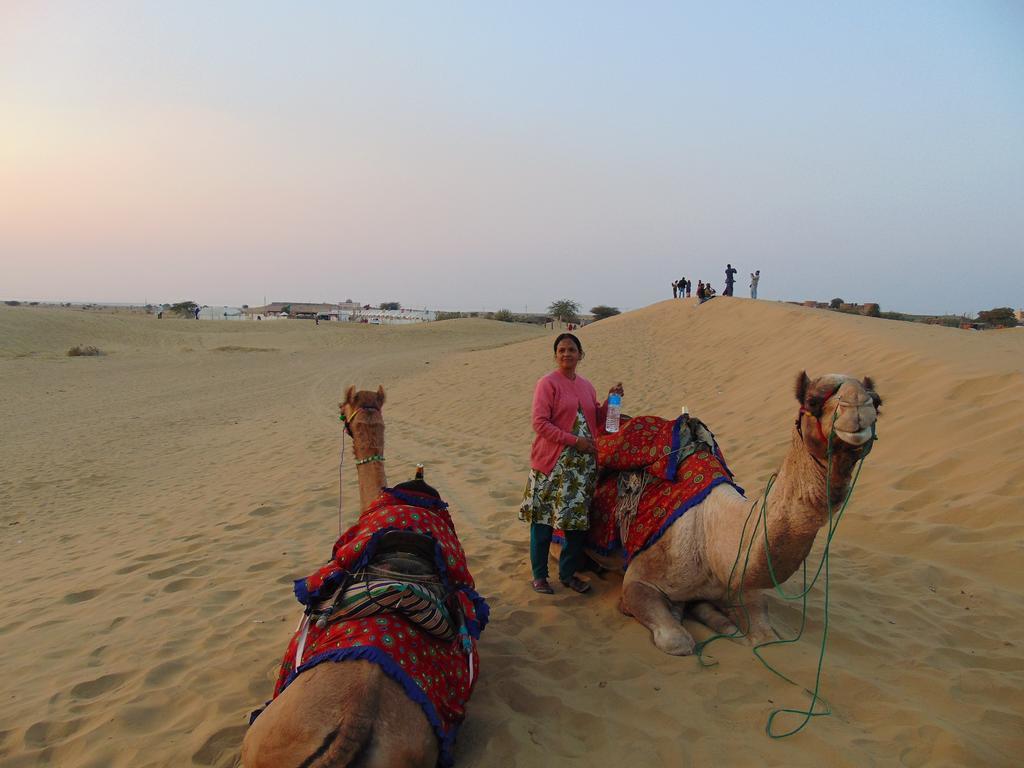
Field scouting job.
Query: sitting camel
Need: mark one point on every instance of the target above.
(692, 563)
(371, 710)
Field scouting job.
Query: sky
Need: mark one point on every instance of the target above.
(481, 156)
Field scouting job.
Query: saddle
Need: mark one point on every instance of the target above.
(402, 577)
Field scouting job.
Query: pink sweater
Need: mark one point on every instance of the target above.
(555, 402)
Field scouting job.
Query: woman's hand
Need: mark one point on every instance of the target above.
(585, 446)
(616, 390)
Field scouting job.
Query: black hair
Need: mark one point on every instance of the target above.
(561, 336)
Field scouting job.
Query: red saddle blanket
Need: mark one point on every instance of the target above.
(436, 674)
(681, 463)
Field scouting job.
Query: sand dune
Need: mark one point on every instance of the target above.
(156, 502)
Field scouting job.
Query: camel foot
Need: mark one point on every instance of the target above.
(674, 641)
(652, 609)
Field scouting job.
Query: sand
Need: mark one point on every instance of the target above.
(156, 503)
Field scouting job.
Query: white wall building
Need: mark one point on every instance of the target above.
(393, 316)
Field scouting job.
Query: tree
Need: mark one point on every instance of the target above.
(836, 303)
(999, 316)
(390, 305)
(184, 308)
(565, 310)
(504, 315)
(600, 312)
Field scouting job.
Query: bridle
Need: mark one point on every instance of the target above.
(827, 440)
(349, 420)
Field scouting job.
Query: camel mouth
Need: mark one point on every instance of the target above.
(855, 438)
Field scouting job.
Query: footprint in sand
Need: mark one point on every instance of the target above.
(80, 597)
(179, 585)
(129, 569)
(226, 741)
(165, 673)
(174, 570)
(97, 687)
(262, 512)
(45, 733)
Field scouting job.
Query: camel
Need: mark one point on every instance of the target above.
(691, 565)
(350, 713)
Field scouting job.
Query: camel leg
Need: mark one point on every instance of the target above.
(709, 615)
(760, 628)
(652, 609)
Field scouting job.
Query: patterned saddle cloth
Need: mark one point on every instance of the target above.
(652, 471)
(434, 659)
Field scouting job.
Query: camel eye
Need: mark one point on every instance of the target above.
(815, 404)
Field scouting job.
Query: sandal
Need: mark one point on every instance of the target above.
(577, 584)
(542, 586)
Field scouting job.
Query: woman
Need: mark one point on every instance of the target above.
(563, 461)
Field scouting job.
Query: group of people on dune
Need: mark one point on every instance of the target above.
(681, 287)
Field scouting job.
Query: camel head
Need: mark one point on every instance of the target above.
(844, 403)
(360, 411)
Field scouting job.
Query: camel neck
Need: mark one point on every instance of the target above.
(796, 511)
(372, 478)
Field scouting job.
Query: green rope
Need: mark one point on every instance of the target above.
(823, 565)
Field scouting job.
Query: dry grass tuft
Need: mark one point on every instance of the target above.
(84, 350)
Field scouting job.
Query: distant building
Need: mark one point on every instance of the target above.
(1019, 314)
(393, 316)
(303, 310)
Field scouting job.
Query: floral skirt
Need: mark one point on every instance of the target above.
(562, 498)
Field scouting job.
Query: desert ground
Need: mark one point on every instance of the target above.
(156, 503)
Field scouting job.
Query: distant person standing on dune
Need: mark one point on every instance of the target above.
(675, 289)
(754, 279)
(730, 279)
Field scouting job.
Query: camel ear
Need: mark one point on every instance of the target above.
(869, 385)
(803, 382)
(380, 396)
(350, 395)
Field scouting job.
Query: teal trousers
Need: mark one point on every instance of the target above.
(568, 562)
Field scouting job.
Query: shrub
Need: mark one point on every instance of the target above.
(84, 350)
(184, 308)
(999, 316)
(13, 303)
(600, 312)
(504, 315)
(836, 303)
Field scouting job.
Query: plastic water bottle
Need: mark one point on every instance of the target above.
(611, 422)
